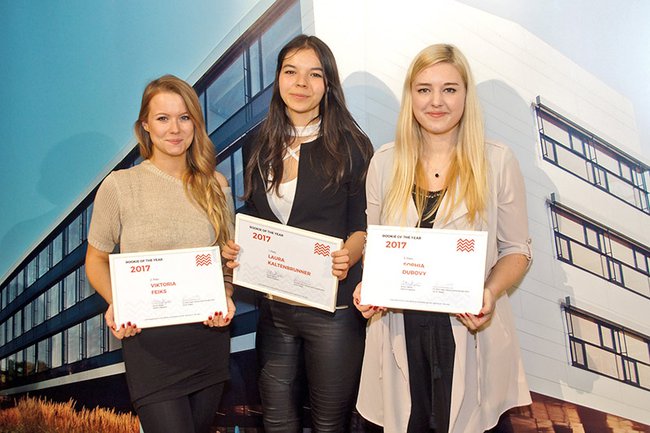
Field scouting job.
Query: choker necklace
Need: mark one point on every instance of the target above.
(306, 131)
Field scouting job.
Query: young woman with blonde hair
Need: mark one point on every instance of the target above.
(173, 199)
(435, 372)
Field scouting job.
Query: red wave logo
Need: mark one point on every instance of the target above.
(321, 249)
(465, 245)
(203, 260)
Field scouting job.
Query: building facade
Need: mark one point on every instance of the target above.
(581, 311)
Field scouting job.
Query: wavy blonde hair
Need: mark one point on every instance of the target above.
(199, 178)
(467, 175)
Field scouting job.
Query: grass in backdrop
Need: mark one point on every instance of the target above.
(31, 415)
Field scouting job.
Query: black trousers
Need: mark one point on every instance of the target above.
(328, 345)
(430, 349)
(191, 413)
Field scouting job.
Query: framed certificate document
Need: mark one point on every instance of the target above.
(286, 262)
(158, 288)
(424, 269)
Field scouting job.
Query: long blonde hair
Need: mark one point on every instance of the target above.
(199, 178)
(467, 174)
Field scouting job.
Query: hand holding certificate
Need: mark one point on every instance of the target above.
(424, 269)
(158, 288)
(286, 262)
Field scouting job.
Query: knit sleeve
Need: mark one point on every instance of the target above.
(106, 225)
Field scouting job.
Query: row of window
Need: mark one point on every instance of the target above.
(81, 341)
(49, 256)
(598, 250)
(608, 349)
(61, 296)
(583, 154)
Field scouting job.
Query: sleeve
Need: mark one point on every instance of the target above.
(373, 192)
(357, 193)
(106, 223)
(512, 215)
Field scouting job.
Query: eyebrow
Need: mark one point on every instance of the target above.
(450, 83)
(289, 65)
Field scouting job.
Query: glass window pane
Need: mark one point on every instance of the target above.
(30, 360)
(54, 300)
(28, 317)
(283, 30)
(224, 167)
(255, 68)
(69, 291)
(238, 181)
(85, 289)
(18, 322)
(226, 95)
(57, 249)
(73, 344)
(94, 331)
(44, 261)
(75, 233)
(32, 271)
(43, 355)
(57, 350)
(39, 310)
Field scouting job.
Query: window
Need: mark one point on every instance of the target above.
(70, 290)
(73, 343)
(57, 249)
(57, 349)
(75, 233)
(94, 328)
(583, 154)
(596, 249)
(43, 355)
(226, 95)
(85, 289)
(44, 261)
(53, 300)
(608, 349)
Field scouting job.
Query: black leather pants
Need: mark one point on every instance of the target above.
(328, 345)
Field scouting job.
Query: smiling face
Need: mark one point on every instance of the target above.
(169, 126)
(302, 85)
(438, 95)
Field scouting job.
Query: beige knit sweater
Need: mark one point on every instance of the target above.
(144, 209)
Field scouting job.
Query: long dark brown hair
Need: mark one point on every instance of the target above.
(339, 131)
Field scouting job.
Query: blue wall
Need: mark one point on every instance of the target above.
(72, 73)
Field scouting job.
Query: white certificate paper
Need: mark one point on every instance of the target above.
(424, 269)
(158, 288)
(286, 262)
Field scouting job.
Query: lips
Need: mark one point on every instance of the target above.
(436, 114)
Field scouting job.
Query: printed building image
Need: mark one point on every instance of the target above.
(582, 309)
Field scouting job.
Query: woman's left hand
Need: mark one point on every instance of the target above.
(218, 319)
(474, 322)
(341, 263)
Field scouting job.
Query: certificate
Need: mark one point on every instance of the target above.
(159, 288)
(424, 269)
(287, 262)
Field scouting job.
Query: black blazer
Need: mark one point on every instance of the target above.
(333, 211)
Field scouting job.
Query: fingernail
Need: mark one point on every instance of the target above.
(209, 317)
(123, 325)
(356, 301)
(128, 323)
(135, 326)
(227, 319)
(480, 315)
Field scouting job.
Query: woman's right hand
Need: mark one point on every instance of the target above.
(367, 311)
(124, 330)
(230, 251)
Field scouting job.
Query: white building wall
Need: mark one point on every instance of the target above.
(374, 42)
